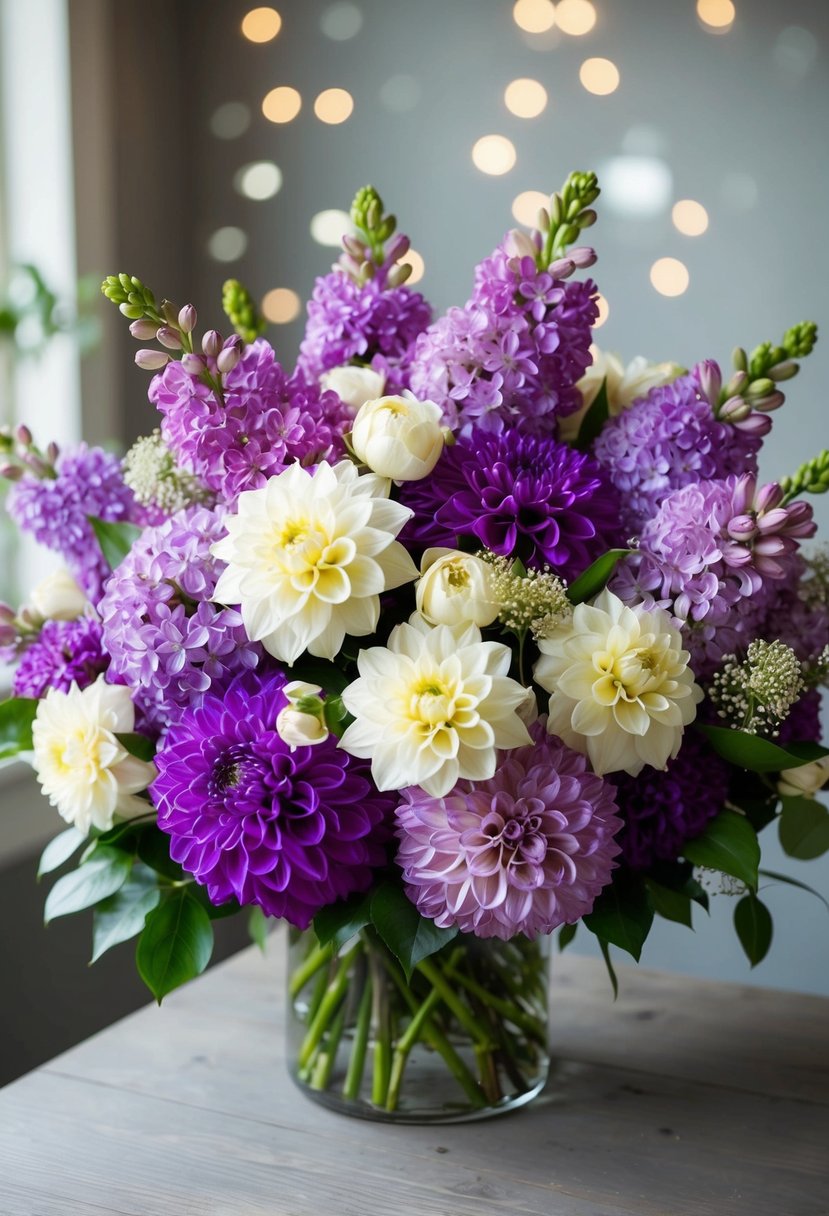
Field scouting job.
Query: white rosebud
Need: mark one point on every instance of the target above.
(299, 729)
(804, 781)
(519, 245)
(455, 588)
(398, 437)
(354, 385)
(58, 597)
(624, 386)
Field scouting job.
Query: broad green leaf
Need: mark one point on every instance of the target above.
(678, 876)
(122, 915)
(793, 882)
(175, 944)
(595, 577)
(59, 850)
(16, 717)
(804, 828)
(593, 421)
(154, 851)
(752, 920)
(729, 843)
(565, 935)
(338, 923)
(94, 880)
(258, 927)
(671, 905)
(137, 745)
(759, 755)
(115, 540)
(337, 717)
(215, 911)
(622, 914)
(410, 936)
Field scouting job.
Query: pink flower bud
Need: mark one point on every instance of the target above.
(754, 424)
(194, 365)
(187, 319)
(562, 268)
(583, 256)
(768, 497)
(399, 246)
(143, 330)
(11, 472)
(52, 452)
(772, 546)
(734, 409)
(710, 380)
(741, 527)
(211, 343)
(168, 337)
(227, 359)
(770, 403)
(23, 435)
(151, 360)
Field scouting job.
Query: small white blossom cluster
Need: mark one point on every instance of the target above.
(715, 882)
(534, 600)
(757, 694)
(151, 472)
(814, 589)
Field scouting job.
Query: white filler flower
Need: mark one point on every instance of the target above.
(82, 768)
(399, 437)
(354, 385)
(432, 707)
(621, 689)
(309, 554)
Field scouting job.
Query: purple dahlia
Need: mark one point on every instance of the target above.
(526, 851)
(252, 819)
(519, 495)
(65, 653)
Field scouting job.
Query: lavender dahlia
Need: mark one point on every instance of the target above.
(65, 653)
(526, 851)
(290, 830)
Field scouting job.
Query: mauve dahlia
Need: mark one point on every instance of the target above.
(520, 495)
(251, 819)
(526, 851)
(64, 653)
(662, 811)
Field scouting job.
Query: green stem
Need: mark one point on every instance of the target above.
(507, 1009)
(469, 1022)
(334, 994)
(324, 1064)
(407, 1041)
(318, 957)
(382, 1034)
(357, 1062)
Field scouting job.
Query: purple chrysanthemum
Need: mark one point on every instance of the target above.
(267, 421)
(670, 439)
(54, 510)
(802, 723)
(526, 851)
(520, 495)
(662, 811)
(253, 820)
(168, 641)
(513, 355)
(370, 322)
(65, 652)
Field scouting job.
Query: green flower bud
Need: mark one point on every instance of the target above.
(240, 309)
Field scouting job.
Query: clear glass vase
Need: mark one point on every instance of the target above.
(465, 1039)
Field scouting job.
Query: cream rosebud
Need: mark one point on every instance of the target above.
(299, 729)
(398, 437)
(804, 781)
(58, 597)
(455, 589)
(354, 385)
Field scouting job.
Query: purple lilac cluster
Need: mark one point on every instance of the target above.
(166, 638)
(369, 323)
(54, 509)
(265, 421)
(64, 653)
(512, 356)
(252, 819)
(519, 495)
(671, 438)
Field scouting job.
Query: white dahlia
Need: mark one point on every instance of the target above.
(432, 707)
(308, 555)
(621, 689)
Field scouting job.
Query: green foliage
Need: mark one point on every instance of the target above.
(804, 828)
(115, 540)
(729, 843)
(175, 944)
(240, 309)
(759, 755)
(570, 213)
(794, 882)
(258, 927)
(410, 936)
(593, 421)
(337, 923)
(137, 745)
(101, 875)
(154, 851)
(622, 915)
(594, 579)
(336, 716)
(134, 299)
(611, 973)
(60, 850)
(16, 717)
(670, 905)
(811, 478)
(752, 920)
(565, 935)
(121, 916)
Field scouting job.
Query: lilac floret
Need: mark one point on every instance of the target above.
(65, 653)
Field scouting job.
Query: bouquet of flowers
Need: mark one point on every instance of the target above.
(458, 634)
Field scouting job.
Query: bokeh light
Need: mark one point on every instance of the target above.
(670, 276)
(341, 21)
(716, 15)
(281, 305)
(227, 244)
(599, 76)
(527, 204)
(534, 16)
(328, 227)
(417, 264)
(604, 311)
(282, 104)
(525, 98)
(230, 120)
(334, 106)
(259, 181)
(494, 154)
(575, 17)
(261, 24)
(689, 217)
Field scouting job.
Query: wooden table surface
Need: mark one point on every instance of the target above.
(684, 1098)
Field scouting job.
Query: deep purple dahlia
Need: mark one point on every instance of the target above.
(526, 851)
(520, 495)
(253, 820)
(64, 653)
(662, 811)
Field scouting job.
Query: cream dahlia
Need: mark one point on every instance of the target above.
(309, 554)
(621, 689)
(433, 707)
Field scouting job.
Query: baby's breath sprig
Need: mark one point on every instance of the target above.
(755, 695)
(151, 472)
(531, 601)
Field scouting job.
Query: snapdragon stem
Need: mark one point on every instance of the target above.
(382, 1034)
(357, 1060)
(469, 1022)
(324, 1063)
(334, 994)
(405, 1044)
(507, 1009)
(317, 958)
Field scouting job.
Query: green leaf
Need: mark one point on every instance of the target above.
(338, 923)
(622, 914)
(115, 540)
(804, 828)
(614, 982)
(595, 577)
(137, 745)
(337, 717)
(328, 677)
(122, 915)
(566, 934)
(258, 927)
(729, 843)
(16, 717)
(215, 911)
(759, 755)
(752, 920)
(105, 872)
(59, 850)
(670, 905)
(154, 851)
(593, 420)
(175, 945)
(410, 936)
(794, 882)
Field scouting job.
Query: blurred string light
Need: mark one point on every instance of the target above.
(400, 93)
(637, 186)
(689, 217)
(230, 120)
(417, 264)
(575, 17)
(259, 181)
(334, 106)
(525, 98)
(342, 21)
(670, 276)
(717, 16)
(599, 76)
(281, 305)
(604, 311)
(534, 16)
(227, 244)
(493, 154)
(527, 204)
(329, 227)
(282, 104)
(261, 24)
